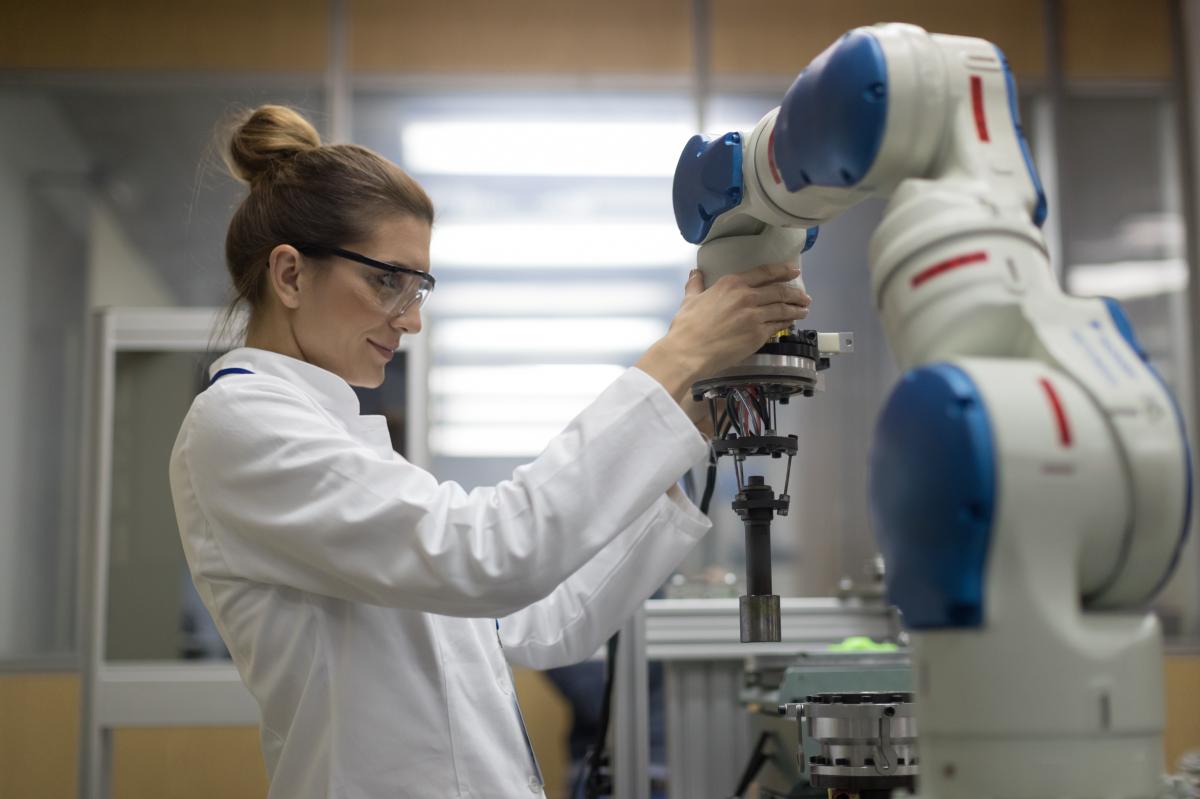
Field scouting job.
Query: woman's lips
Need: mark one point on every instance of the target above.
(386, 352)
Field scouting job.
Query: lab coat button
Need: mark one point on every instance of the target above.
(535, 785)
(503, 684)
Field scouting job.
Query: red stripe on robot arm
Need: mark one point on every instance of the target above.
(977, 105)
(771, 157)
(926, 275)
(1060, 415)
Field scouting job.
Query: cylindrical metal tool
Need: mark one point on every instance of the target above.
(756, 504)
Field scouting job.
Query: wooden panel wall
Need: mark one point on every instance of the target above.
(1182, 733)
(39, 735)
(39, 745)
(244, 35)
(1116, 39)
(1103, 39)
(188, 763)
(781, 36)
(532, 36)
(548, 718)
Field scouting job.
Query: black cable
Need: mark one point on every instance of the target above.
(710, 483)
(595, 777)
(764, 407)
(732, 409)
(758, 758)
(720, 428)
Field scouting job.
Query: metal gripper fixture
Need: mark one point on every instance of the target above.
(867, 742)
(743, 403)
(790, 364)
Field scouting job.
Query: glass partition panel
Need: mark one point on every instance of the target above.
(150, 601)
(45, 200)
(112, 192)
(154, 612)
(1123, 237)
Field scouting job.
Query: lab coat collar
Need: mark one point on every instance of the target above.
(330, 391)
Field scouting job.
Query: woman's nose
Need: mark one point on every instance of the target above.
(409, 321)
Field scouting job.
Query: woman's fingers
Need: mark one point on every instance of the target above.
(778, 289)
(777, 293)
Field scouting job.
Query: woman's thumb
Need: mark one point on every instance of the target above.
(695, 284)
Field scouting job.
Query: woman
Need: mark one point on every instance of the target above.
(370, 609)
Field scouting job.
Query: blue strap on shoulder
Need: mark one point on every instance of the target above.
(232, 370)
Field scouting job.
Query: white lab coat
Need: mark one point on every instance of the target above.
(359, 596)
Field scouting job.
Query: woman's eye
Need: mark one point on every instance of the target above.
(386, 281)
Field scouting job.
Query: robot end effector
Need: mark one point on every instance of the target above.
(743, 403)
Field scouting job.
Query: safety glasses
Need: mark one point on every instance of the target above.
(397, 288)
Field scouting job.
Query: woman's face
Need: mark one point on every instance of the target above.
(347, 330)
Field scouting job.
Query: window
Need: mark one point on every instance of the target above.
(556, 252)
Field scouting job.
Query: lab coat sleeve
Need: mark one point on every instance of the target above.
(575, 620)
(291, 499)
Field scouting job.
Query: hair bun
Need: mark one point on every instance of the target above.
(264, 137)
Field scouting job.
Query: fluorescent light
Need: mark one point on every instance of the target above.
(593, 148)
(494, 441)
(509, 411)
(524, 409)
(1128, 279)
(596, 335)
(533, 297)
(536, 380)
(506, 245)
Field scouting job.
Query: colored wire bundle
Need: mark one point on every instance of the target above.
(750, 411)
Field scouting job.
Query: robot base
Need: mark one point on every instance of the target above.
(979, 767)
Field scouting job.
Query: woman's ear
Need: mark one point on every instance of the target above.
(283, 274)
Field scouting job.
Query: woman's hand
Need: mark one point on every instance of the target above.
(718, 327)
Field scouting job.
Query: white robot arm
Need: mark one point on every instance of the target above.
(1030, 480)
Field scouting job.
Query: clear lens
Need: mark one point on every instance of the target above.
(396, 292)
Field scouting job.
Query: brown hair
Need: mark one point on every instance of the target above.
(303, 192)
